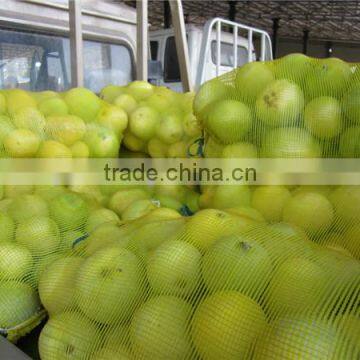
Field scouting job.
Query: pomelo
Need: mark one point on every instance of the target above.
(102, 142)
(281, 103)
(140, 89)
(229, 121)
(126, 102)
(18, 98)
(349, 146)
(53, 106)
(143, 122)
(114, 118)
(53, 149)
(29, 118)
(290, 142)
(82, 103)
(323, 117)
(169, 130)
(21, 143)
(270, 201)
(251, 79)
(329, 77)
(226, 325)
(311, 212)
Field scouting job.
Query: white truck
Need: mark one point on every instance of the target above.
(35, 46)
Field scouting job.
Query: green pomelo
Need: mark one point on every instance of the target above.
(53, 149)
(68, 336)
(251, 79)
(79, 150)
(159, 329)
(102, 142)
(309, 211)
(15, 261)
(7, 227)
(329, 77)
(110, 92)
(83, 103)
(133, 143)
(349, 146)
(226, 325)
(69, 211)
(143, 122)
(156, 148)
(114, 278)
(66, 129)
(140, 89)
(21, 143)
(27, 206)
(229, 121)
(290, 142)
(123, 198)
(169, 129)
(293, 67)
(323, 117)
(113, 118)
(209, 93)
(40, 235)
(29, 118)
(56, 285)
(238, 263)
(101, 216)
(19, 302)
(17, 99)
(281, 103)
(270, 201)
(53, 107)
(239, 150)
(137, 209)
(351, 104)
(126, 102)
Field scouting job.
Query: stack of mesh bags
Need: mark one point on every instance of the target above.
(216, 285)
(292, 108)
(161, 121)
(41, 224)
(73, 124)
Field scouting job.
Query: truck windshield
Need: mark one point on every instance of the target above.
(227, 54)
(40, 62)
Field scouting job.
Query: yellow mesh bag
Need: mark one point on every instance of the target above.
(73, 124)
(161, 121)
(219, 284)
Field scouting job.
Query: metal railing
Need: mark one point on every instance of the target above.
(216, 25)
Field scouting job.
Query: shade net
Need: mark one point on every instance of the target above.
(256, 272)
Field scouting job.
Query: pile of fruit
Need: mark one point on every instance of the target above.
(256, 272)
(46, 124)
(161, 121)
(150, 120)
(217, 285)
(294, 107)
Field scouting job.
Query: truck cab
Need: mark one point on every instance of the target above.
(205, 45)
(35, 46)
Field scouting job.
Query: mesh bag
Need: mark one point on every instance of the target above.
(216, 285)
(73, 124)
(161, 121)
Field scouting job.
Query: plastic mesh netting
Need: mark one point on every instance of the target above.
(257, 272)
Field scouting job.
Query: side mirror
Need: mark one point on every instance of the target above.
(155, 73)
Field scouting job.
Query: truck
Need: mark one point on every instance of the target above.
(35, 47)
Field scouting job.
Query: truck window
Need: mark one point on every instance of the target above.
(154, 47)
(106, 64)
(171, 63)
(39, 62)
(227, 54)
